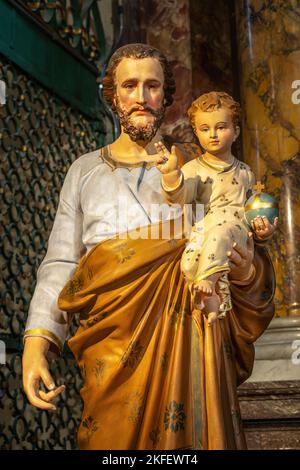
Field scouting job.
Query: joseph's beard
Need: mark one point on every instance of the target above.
(143, 133)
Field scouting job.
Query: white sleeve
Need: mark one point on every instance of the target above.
(65, 248)
(189, 187)
(251, 180)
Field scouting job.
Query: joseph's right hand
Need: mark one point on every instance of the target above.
(35, 370)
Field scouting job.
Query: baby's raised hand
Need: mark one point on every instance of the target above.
(262, 228)
(167, 161)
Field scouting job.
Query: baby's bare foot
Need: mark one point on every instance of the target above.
(211, 308)
(212, 317)
(205, 286)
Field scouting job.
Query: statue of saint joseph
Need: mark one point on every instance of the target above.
(156, 376)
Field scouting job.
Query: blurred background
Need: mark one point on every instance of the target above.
(53, 55)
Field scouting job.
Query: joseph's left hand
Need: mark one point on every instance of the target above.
(240, 260)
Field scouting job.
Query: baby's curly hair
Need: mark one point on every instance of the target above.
(137, 51)
(213, 101)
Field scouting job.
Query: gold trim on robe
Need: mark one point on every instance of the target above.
(44, 332)
(156, 376)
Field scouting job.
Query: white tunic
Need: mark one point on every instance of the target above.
(223, 192)
(99, 198)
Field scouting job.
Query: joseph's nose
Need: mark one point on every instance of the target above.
(141, 95)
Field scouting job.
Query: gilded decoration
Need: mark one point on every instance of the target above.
(98, 371)
(74, 285)
(132, 355)
(174, 417)
(77, 24)
(155, 436)
(123, 252)
(164, 360)
(90, 426)
(135, 403)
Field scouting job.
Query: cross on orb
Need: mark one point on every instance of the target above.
(259, 187)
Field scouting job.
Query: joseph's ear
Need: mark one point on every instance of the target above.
(115, 97)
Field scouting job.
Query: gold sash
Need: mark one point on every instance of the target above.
(156, 376)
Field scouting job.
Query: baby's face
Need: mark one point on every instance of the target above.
(215, 130)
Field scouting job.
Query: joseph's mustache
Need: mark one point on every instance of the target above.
(144, 108)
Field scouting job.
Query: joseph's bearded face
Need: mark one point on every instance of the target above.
(139, 97)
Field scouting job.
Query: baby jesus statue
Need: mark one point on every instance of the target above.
(222, 183)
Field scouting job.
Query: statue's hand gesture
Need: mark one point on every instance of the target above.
(240, 260)
(36, 371)
(167, 162)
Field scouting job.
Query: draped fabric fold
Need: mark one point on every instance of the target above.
(156, 376)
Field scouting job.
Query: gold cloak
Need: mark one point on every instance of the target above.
(156, 375)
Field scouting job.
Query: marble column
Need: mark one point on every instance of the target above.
(166, 25)
(268, 37)
(269, 55)
(277, 351)
(211, 44)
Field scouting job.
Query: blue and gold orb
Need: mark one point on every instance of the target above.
(261, 204)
